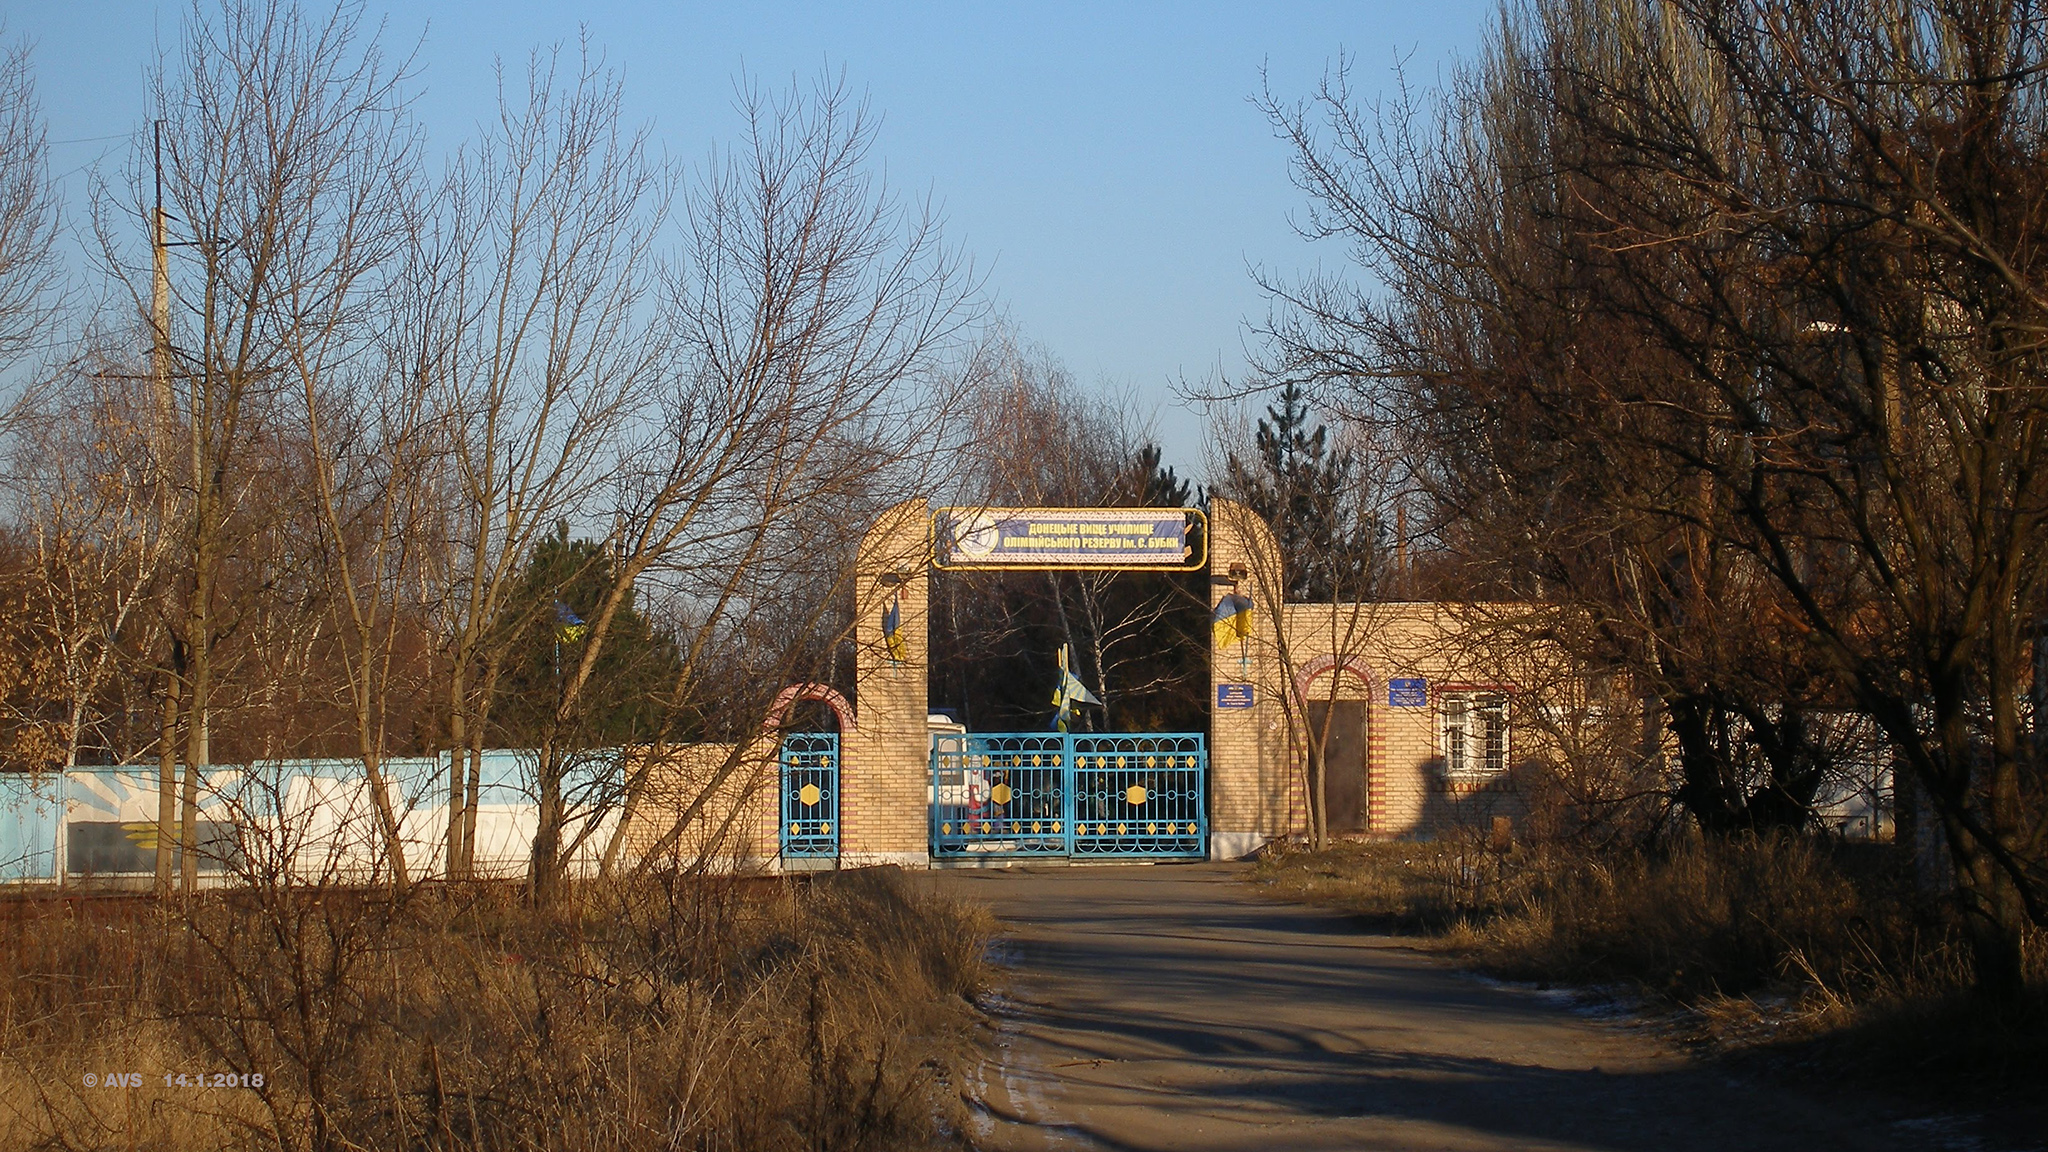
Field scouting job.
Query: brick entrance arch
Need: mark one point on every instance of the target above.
(886, 786)
(788, 698)
(1327, 664)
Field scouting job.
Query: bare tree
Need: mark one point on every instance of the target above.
(90, 516)
(283, 137)
(1041, 441)
(1324, 493)
(1760, 285)
(370, 447)
(528, 316)
(28, 209)
(814, 315)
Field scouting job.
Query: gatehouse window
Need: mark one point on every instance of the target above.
(1475, 734)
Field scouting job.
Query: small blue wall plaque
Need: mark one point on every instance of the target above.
(1408, 693)
(1233, 695)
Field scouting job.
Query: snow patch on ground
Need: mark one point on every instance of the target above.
(1610, 1002)
(1005, 1074)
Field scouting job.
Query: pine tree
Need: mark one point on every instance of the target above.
(1306, 491)
(1159, 487)
(638, 666)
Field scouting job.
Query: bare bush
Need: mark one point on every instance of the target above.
(666, 1013)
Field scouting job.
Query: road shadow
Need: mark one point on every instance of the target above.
(1167, 1002)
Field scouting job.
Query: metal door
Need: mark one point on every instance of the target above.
(1138, 794)
(1096, 795)
(810, 794)
(1341, 728)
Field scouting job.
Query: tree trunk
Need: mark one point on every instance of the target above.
(188, 818)
(166, 781)
(387, 820)
(1703, 786)
(1993, 915)
(198, 752)
(1094, 617)
(1318, 793)
(636, 788)
(1785, 802)
(458, 755)
(547, 836)
(474, 785)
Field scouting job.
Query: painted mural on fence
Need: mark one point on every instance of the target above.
(313, 818)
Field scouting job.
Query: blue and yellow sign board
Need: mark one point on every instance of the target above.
(1407, 693)
(1154, 539)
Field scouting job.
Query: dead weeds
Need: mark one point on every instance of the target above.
(710, 1013)
(1799, 952)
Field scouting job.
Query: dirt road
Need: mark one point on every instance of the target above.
(1175, 1008)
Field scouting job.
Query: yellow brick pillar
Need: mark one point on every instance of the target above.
(885, 760)
(1254, 784)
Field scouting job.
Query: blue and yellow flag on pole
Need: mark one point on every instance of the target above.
(1233, 618)
(568, 625)
(1069, 692)
(892, 630)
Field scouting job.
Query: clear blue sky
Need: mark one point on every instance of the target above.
(1101, 161)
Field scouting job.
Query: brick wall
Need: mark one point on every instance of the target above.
(736, 825)
(1450, 646)
(883, 784)
(1254, 786)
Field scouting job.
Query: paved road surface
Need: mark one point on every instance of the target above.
(1175, 1008)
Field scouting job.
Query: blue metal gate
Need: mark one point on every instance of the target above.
(810, 794)
(1085, 794)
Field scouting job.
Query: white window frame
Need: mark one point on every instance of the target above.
(1473, 733)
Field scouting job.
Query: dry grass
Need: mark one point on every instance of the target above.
(1820, 952)
(1404, 886)
(711, 1014)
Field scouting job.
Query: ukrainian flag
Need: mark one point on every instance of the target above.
(892, 630)
(1069, 692)
(568, 625)
(1233, 618)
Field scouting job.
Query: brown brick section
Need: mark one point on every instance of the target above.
(1256, 754)
(883, 789)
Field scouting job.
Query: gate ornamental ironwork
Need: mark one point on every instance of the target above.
(1098, 795)
(810, 794)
